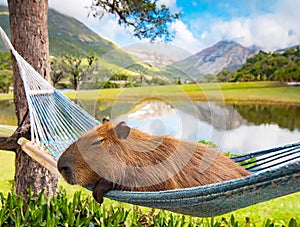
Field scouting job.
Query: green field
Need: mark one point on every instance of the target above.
(229, 92)
(269, 92)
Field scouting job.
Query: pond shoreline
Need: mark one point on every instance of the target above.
(269, 93)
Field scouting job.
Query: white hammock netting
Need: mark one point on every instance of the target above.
(55, 120)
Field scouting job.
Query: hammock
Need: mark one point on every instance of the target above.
(56, 122)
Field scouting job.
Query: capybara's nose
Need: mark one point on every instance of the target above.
(64, 168)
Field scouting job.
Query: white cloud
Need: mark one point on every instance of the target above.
(270, 31)
(278, 29)
(109, 28)
(76, 8)
(169, 3)
(184, 38)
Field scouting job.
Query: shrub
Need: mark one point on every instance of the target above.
(84, 211)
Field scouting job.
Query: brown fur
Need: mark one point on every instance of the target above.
(109, 157)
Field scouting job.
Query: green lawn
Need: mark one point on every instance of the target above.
(229, 92)
(6, 96)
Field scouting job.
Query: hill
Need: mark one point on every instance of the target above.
(224, 55)
(4, 23)
(283, 65)
(67, 34)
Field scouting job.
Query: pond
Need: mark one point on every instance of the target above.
(238, 128)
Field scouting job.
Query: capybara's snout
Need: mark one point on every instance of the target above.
(74, 168)
(65, 169)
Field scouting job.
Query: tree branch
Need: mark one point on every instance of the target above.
(11, 143)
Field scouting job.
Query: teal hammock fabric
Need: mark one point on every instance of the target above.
(217, 199)
(56, 122)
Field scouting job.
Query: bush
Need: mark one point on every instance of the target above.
(6, 80)
(84, 211)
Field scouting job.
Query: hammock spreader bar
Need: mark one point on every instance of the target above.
(57, 122)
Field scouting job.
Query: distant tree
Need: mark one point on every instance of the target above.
(157, 81)
(90, 68)
(6, 80)
(179, 81)
(119, 76)
(58, 70)
(269, 66)
(74, 69)
(79, 68)
(6, 75)
(5, 61)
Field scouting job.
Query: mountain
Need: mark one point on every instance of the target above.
(67, 34)
(224, 55)
(157, 54)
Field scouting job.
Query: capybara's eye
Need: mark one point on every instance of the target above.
(98, 142)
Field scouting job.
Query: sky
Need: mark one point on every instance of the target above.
(269, 24)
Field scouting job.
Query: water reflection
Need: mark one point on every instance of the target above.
(235, 128)
(223, 125)
(285, 116)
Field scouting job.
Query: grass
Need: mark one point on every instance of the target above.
(6, 130)
(8, 96)
(279, 211)
(7, 171)
(253, 92)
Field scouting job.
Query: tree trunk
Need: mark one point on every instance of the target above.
(29, 34)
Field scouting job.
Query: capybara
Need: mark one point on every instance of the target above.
(119, 157)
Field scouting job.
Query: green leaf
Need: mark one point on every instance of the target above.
(293, 223)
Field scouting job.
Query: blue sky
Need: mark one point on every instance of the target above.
(270, 24)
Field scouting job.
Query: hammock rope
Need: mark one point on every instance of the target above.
(56, 122)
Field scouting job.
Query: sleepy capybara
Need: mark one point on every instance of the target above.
(118, 157)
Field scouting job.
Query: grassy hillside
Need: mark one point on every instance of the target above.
(273, 66)
(67, 34)
(4, 23)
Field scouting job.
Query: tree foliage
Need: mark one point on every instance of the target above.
(271, 66)
(78, 68)
(58, 70)
(5, 62)
(6, 75)
(148, 19)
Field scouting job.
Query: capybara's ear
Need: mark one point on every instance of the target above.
(122, 130)
(105, 119)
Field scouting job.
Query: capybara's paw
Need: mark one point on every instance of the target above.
(101, 188)
(98, 196)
